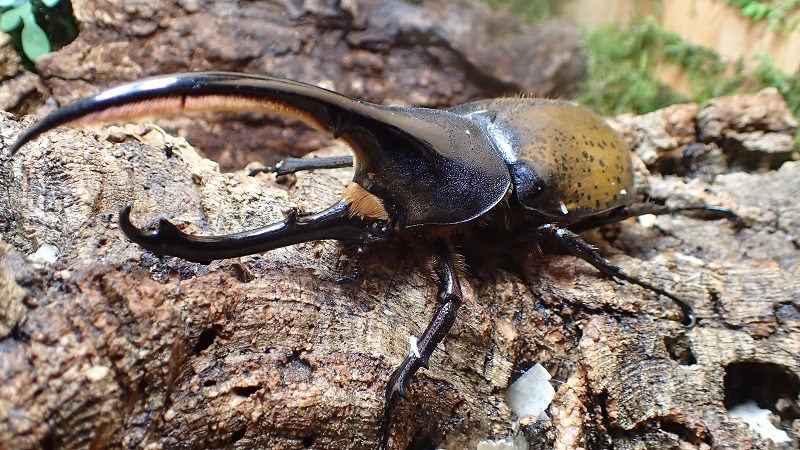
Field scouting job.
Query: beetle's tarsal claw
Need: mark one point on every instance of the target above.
(136, 234)
(689, 319)
(397, 385)
(383, 427)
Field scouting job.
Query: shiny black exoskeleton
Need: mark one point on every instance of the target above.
(518, 169)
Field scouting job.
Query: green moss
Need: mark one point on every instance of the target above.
(623, 63)
(620, 75)
(530, 11)
(623, 60)
(779, 14)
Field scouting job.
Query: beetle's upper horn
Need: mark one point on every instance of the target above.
(431, 167)
(205, 91)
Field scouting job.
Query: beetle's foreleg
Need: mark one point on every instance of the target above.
(575, 245)
(450, 298)
(291, 165)
(705, 212)
(336, 222)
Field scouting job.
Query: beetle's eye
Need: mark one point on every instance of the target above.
(380, 229)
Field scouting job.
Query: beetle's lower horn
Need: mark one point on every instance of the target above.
(333, 223)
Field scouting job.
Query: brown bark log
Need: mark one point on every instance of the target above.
(110, 346)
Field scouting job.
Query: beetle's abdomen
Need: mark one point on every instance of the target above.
(584, 165)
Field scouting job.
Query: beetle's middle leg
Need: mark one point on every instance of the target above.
(291, 165)
(450, 298)
(574, 244)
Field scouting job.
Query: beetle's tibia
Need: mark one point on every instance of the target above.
(705, 212)
(443, 320)
(334, 223)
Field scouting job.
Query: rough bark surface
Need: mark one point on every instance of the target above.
(108, 346)
(111, 346)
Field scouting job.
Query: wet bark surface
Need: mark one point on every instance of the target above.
(104, 345)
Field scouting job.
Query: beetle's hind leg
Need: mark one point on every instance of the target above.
(450, 299)
(572, 243)
(291, 165)
(705, 212)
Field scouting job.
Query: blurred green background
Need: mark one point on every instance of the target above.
(645, 54)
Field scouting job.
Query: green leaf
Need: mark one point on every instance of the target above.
(9, 3)
(50, 3)
(34, 40)
(750, 9)
(761, 13)
(11, 19)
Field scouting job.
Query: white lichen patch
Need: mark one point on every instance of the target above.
(517, 442)
(647, 220)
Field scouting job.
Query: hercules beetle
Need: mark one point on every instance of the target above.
(510, 169)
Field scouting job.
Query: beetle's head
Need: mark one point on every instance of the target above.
(414, 166)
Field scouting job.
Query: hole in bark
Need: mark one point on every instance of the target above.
(770, 386)
(241, 273)
(422, 441)
(680, 350)
(296, 354)
(205, 339)
(47, 442)
(209, 383)
(685, 433)
(18, 335)
(739, 157)
(238, 434)
(308, 441)
(246, 391)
